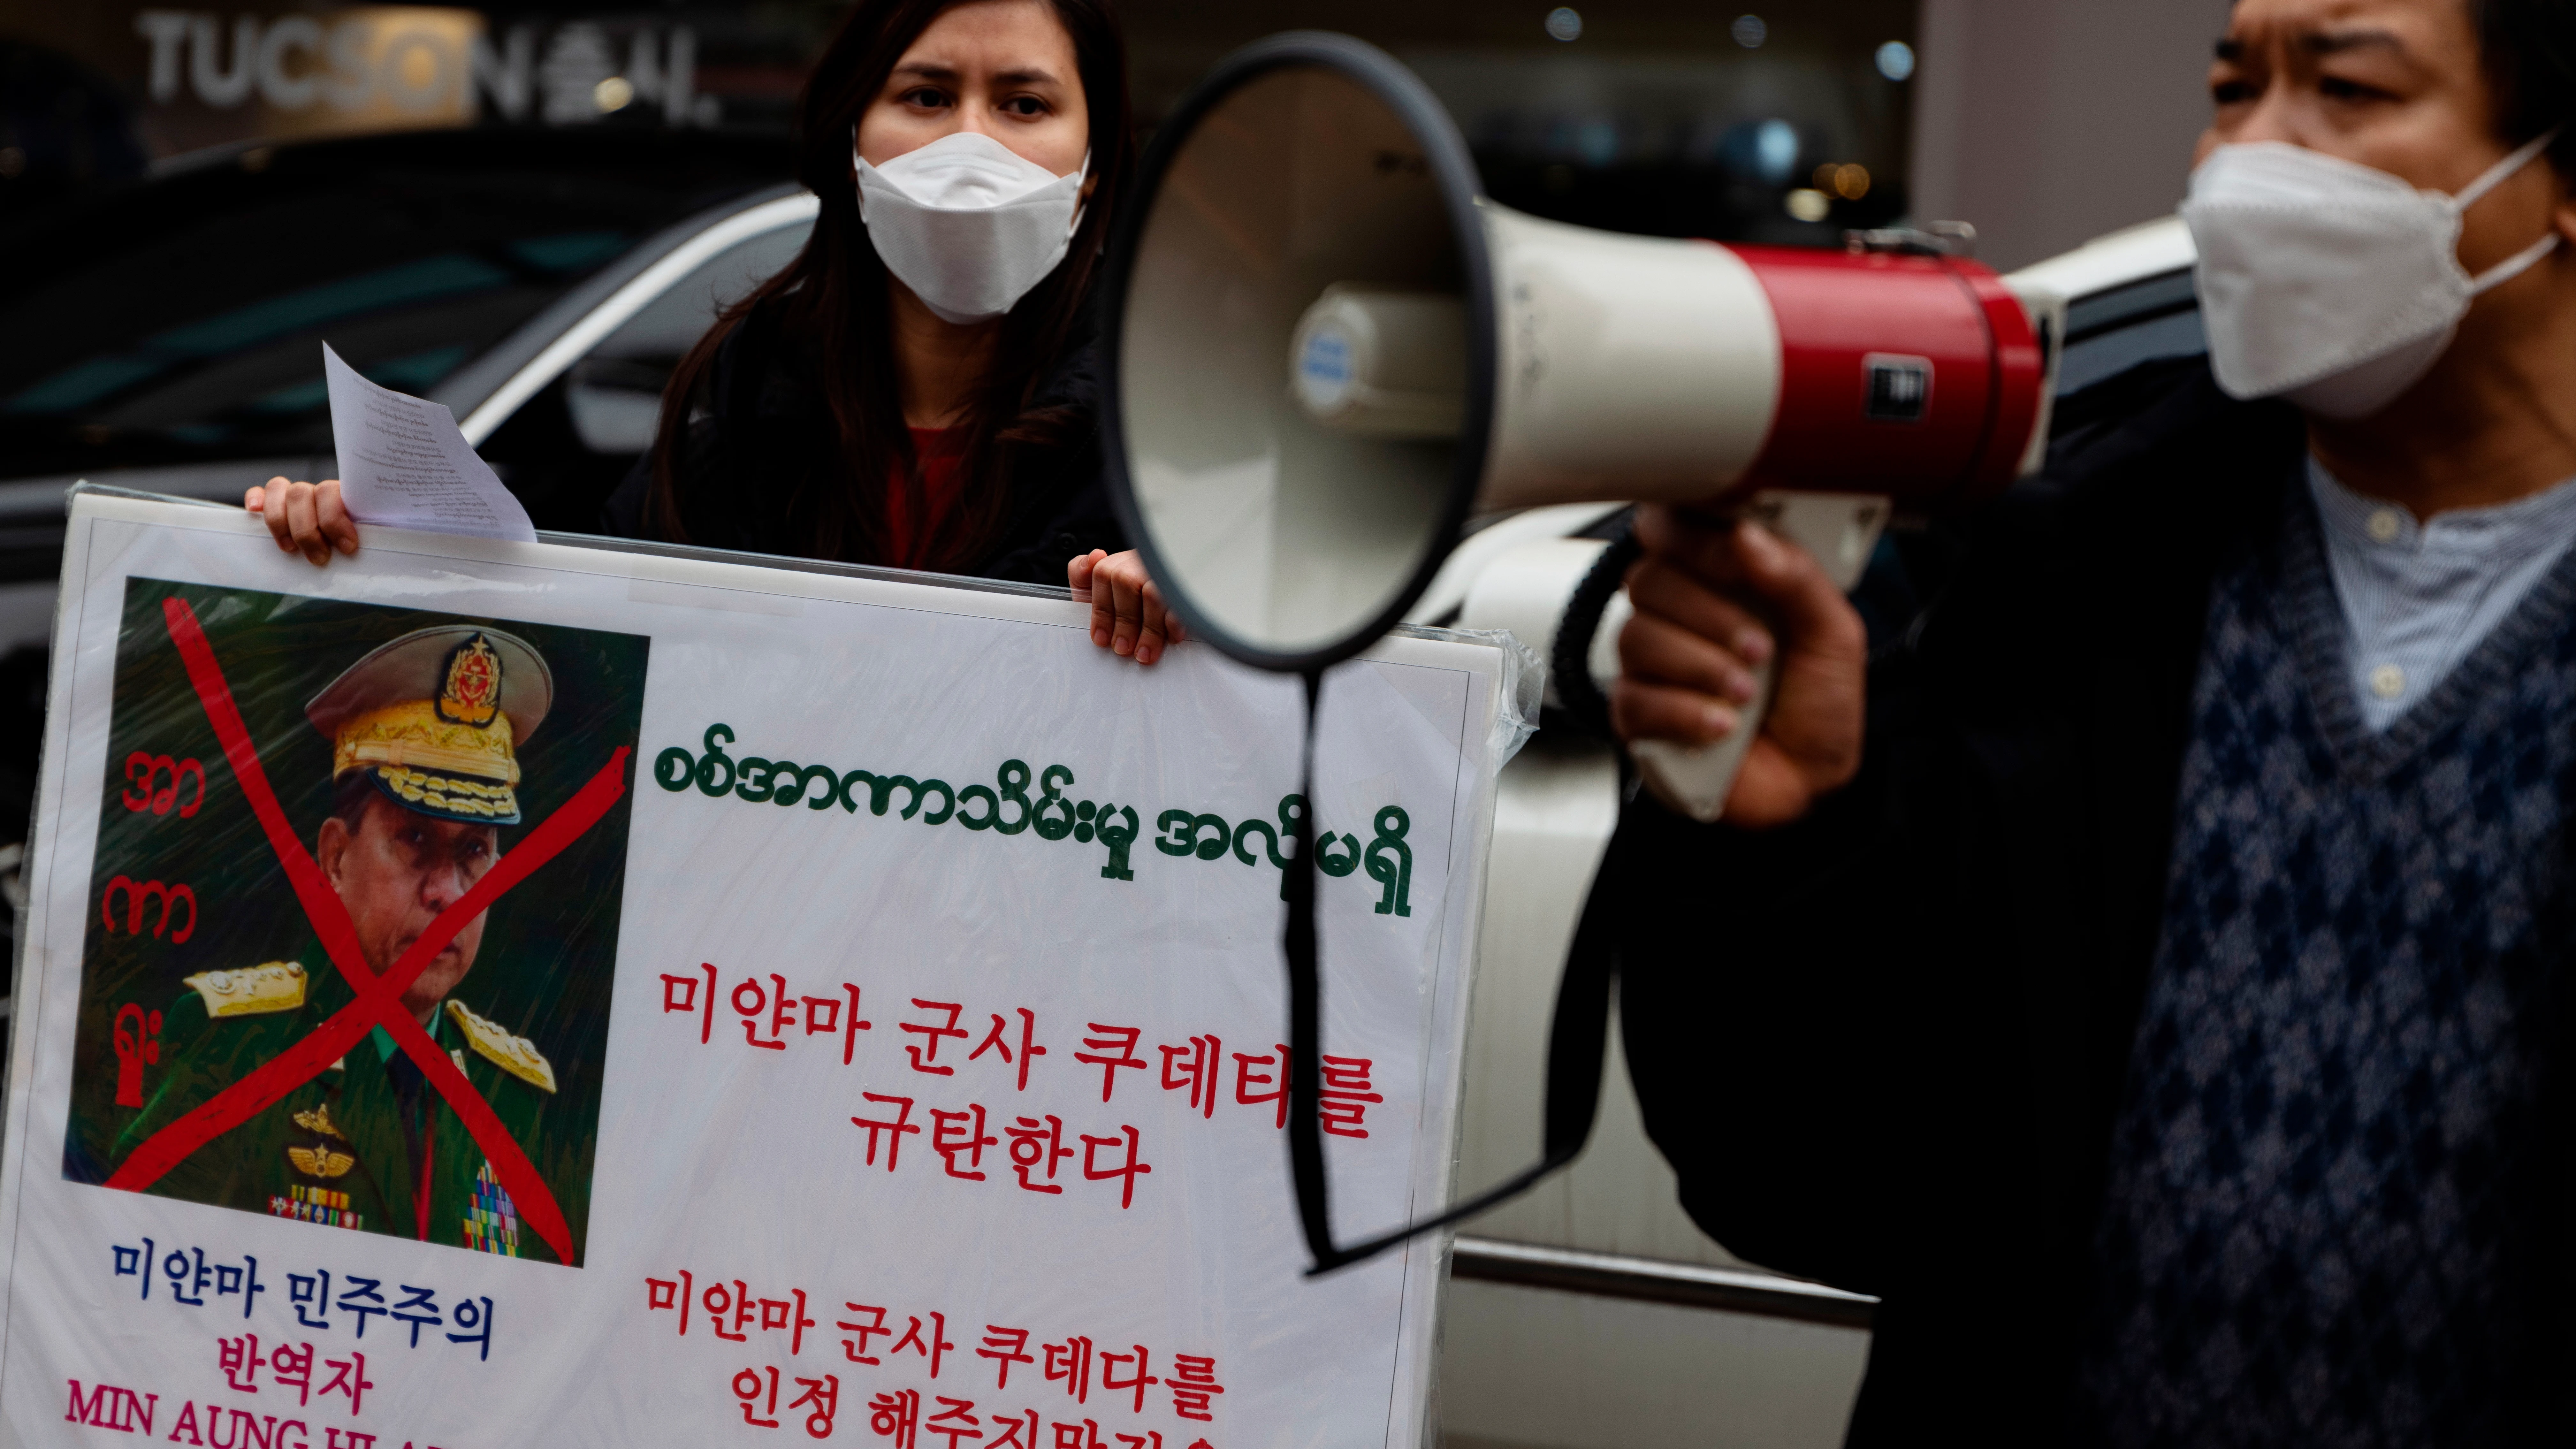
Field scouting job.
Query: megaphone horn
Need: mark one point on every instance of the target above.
(1327, 348)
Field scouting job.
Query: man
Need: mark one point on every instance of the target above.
(2149, 970)
(425, 736)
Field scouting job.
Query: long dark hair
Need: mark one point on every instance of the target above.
(832, 306)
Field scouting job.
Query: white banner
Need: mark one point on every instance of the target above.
(488, 993)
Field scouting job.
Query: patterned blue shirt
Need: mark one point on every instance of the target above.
(2332, 1205)
(2417, 597)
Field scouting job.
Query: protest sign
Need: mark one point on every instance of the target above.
(488, 992)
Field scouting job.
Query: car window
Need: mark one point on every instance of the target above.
(573, 443)
(208, 339)
(181, 320)
(2112, 331)
(614, 393)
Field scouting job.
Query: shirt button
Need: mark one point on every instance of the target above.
(2383, 524)
(2388, 681)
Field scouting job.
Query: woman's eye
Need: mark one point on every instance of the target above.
(2337, 88)
(2231, 92)
(1025, 106)
(927, 97)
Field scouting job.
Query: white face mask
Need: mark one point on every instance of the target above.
(2329, 283)
(967, 223)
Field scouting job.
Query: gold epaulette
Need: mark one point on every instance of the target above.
(513, 1054)
(274, 986)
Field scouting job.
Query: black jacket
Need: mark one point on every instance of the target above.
(767, 435)
(1884, 1047)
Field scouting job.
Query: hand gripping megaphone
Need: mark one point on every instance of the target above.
(1326, 350)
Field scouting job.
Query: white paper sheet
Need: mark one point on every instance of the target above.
(405, 464)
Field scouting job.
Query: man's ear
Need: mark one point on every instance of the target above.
(2562, 203)
(330, 848)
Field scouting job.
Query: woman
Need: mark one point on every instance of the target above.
(917, 388)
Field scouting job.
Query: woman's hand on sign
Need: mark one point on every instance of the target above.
(305, 518)
(1703, 593)
(1127, 613)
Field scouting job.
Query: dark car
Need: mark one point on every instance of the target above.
(166, 335)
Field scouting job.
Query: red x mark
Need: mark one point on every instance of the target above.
(379, 999)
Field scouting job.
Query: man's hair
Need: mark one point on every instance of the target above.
(2528, 48)
(349, 796)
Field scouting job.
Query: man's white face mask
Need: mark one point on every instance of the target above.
(2329, 283)
(967, 223)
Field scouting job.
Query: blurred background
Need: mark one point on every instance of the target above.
(2047, 116)
(188, 198)
(487, 159)
(528, 211)
(1668, 117)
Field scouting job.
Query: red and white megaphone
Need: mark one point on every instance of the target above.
(1328, 350)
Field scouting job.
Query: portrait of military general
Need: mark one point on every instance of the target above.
(235, 1045)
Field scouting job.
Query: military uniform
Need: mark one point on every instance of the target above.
(355, 1146)
(434, 720)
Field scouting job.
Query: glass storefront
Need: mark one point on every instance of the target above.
(1645, 115)
(190, 198)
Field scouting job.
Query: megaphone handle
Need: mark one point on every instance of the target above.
(1838, 531)
(1695, 781)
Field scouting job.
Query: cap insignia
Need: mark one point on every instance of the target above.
(471, 693)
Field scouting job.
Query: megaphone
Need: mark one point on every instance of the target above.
(1327, 349)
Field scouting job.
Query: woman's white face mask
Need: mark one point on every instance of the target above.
(967, 223)
(2327, 282)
